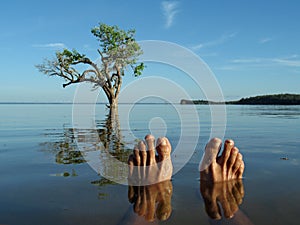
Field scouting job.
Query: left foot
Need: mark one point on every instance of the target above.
(145, 166)
(228, 166)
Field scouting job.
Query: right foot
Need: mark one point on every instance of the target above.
(228, 166)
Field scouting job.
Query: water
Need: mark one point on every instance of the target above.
(45, 179)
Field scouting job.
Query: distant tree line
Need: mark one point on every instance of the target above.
(276, 99)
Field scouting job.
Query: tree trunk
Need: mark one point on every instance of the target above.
(113, 107)
(114, 120)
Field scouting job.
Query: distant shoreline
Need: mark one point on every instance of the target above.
(276, 99)
(83, 103)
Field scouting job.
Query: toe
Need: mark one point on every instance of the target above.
(241, 170)
(150, 142)
(230, 163)
(130, 165)
(163, 148)
(229, 144)
(131, 160)
(211, 152)
(136, 156)
(164, 162)
(142, 153)
(237, 164)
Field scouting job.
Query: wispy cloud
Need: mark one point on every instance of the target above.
(170, 9)
(50, 45)
(249, 60)
(221, 40)
(240, 64)
(288, 62)
(279, 61)
(265, 40)
(291, 61)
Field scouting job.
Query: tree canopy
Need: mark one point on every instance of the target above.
(117, 49)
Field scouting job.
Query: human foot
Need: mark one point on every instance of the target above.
(152, 201)
(228, 166)
(226, 195)
(145, 166)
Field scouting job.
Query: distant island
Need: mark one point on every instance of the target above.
(276, 99)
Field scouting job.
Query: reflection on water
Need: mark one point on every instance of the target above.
(64, 149)
(106, 138)
(152, 201)
(276, 111)
(223, 197)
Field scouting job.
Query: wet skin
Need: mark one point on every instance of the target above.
(228, 166)
(150, 187)
(150, 163)
(150, 171)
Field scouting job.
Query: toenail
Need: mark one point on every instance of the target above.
(235, 150)
(149, 136)
(161, 141)
(229, 141)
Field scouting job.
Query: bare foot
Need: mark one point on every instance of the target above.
(152, 201)
(228, 166)
(150, 164)
(226, 195)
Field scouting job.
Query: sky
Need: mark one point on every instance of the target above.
(251, 47)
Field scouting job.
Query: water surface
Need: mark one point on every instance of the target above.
(45, 179)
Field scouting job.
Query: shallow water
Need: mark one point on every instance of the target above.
(45, 179)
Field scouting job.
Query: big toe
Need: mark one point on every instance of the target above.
(163, 148)
(211, 152)
(229, 144)
(150, 142)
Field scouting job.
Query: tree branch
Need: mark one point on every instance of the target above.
(106, 70)
(71, 82)
(118, 81)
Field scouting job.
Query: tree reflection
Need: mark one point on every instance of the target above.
(64, 149)
(73, 144)
(107, 137)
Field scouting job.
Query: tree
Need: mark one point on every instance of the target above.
(117, 49)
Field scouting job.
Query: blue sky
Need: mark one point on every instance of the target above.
(252, 47)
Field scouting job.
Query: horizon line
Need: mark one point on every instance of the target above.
(83, 103)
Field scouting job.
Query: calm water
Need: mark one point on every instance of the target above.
(45, 179)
